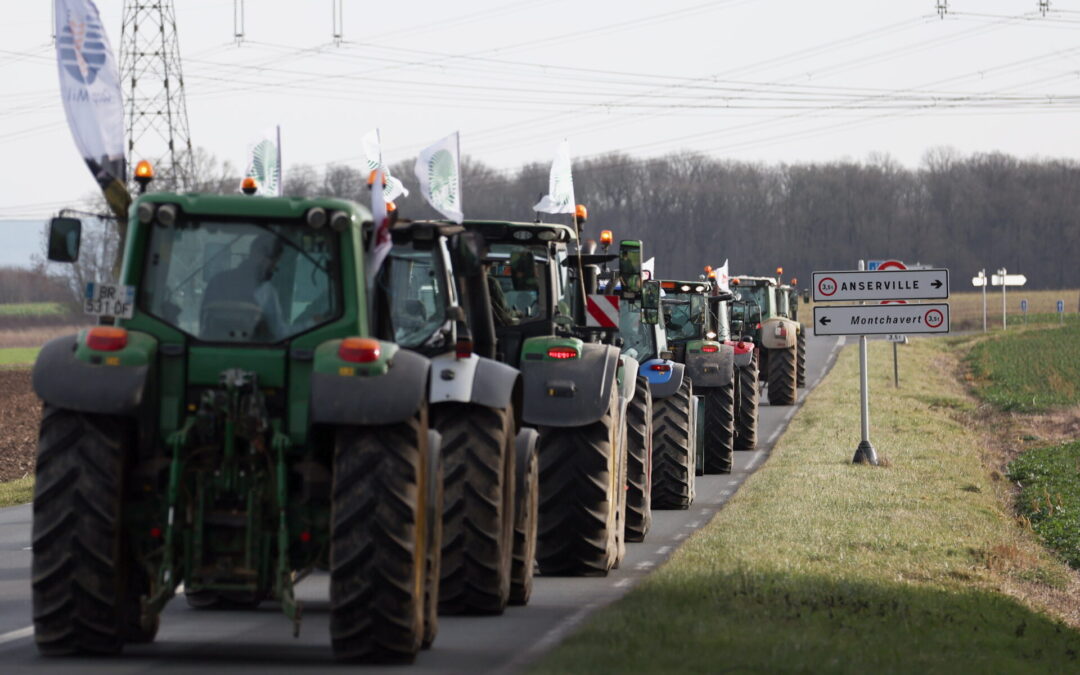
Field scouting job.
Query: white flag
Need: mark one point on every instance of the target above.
(90, 88)
(372, 144)
(264, 163)
(438, 168)
(648, 269)
(380, 240)
(722, 276)
(560, 196)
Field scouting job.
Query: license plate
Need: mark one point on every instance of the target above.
(109, 300)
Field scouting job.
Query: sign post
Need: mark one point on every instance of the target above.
(1003, 279)
(865, 453)
(977, 281)
(1061, 311)
(1023, 308)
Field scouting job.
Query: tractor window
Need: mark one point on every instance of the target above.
(639, 338)
(783, 307)
(763, 296)
(415, 289)
(240, 281)
(677, 318)
(518, 279)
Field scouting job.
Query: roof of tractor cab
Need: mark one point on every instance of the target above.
(422, 230)
(755, 281)
(240, 205)
(698, 286)
(517, 232)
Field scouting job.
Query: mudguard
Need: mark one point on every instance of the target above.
(710, 369)
(387, 397)
(69, 375)
(628, 380)
(478, 380)
(779, 333)
(662, 385)
(571, 392)
(744, 353)
(525, 445)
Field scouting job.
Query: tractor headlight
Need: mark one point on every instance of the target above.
(166, 214)
(316, 217)
(145, 213)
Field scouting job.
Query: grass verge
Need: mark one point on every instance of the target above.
(818, 565)
(1030, 370)
(18, 356)
(19, 491)
(1049, 498)
(31, 309)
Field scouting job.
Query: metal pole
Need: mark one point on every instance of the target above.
(895, 367)
(865, 453)
(982, 273)
(1004, 315)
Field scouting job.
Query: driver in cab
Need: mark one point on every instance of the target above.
(249, 283)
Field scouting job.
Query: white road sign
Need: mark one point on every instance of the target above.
(880, 319)
(978, 281)
(1009, 280)
(849, 286)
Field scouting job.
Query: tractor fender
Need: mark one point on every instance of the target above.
(744, 353)
(388, 398)
(572, 392)
(630, 367)
(64, 381)
(711, 369)
(672, 380)
(788, 333)
(525, 446)
(476, 379)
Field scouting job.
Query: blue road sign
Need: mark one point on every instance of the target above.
(1061, 306)
(1023, 305)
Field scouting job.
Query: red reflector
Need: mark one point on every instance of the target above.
(710, 348)
(464, 349)
(562, 353)
(155, 533)
(661, 367)
(757, 326)
(305, 537)
(106, 338)
(359, 350)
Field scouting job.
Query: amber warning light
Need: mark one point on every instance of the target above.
(144, 173)
(249, 185)
(606, 237)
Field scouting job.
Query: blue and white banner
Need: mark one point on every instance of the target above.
(372, 144)
(438, 168)
(90, 89)
(264, 164)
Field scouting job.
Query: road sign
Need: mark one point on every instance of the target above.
(603, 311)
(880, 319)
(978, 282)
(1023, 305)
(1008, 280)
(1061, 306)
(881, 285)
(899, 339)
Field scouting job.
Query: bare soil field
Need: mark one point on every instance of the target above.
(20, 412)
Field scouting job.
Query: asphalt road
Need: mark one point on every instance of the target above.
(261, 641)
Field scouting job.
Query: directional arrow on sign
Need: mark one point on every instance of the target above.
(882, 284)
(936, 283)
(825, 321)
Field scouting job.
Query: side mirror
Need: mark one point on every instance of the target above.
(697, 309)
(65, 236)
(523, 271)
(650, 316)
(630, 266)
(806, 296)
(666, 355)
(737, 326)
(650, 295)
(467, 250)
(754, 313)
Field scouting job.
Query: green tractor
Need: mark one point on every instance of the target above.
(710, 365)
(236, 427)
(726, 315)
(489, 459)
(575, 392)
(776, 336)
(789, 307)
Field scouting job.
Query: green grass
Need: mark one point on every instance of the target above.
(1049, 498)
(18, 356)
(32, 309)
(1028, 370)
(18, 491)
(817, 565)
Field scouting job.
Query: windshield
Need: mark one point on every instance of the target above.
(416, 292)
(677, 318)
(516, 283)
(759, 294)
(783, 309)
(638, 337)
(240, 281)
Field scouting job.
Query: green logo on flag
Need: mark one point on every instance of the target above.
(442, 179)
(264, 166)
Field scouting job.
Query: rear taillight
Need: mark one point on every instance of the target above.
(661, 367)
(780, 330)
(562, 353)
(463, 348)
(359, 350)
(710, 349)
(757, 326)
(106, 338)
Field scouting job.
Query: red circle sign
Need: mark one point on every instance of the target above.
(891, 265)
(934, 318)
(827, 286)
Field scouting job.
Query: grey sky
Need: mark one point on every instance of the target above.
(771, 80)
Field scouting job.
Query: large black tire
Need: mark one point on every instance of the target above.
(378, 541)
(579, 470)
(84, 595)
(746, 417)
(526, 517)
(800, 368)
(782, 377)
(433, 553)
(639, 442)
(478, 518)
(673, 450)
(719, 411)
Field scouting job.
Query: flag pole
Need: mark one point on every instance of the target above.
(280, 167)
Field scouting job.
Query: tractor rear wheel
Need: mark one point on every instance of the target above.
(673, 450)
(639, 433)
(81, 599)
(801, 356)
(378, 540)
(526, 516)
(746, 417)
(719, 427)
(478, 520)
(579, 470)
(782, 377)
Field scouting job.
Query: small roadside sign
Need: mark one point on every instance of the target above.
(109, 300)
(978, 282)
(1061, 306)
(899, 339)
(1023, 305)
(849, 286)
(1008, 280)
(880, 319)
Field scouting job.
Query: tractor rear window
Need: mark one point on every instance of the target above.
(678, 321)
(516, 276)
(417, 295)
(241, 281)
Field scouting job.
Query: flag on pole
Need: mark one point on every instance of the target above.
(372, 144)
(722, 277)
(438, 168)
(90, 89)
(264, 163)
(648, 269)
(560, 196)
(380, 241)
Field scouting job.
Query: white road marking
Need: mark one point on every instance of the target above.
(733, 481)
(644, 565)
(694, 523)
(725, 493)
(14, 635)
(663, 550)
(680, 536)
(28, 548)
(623, 583)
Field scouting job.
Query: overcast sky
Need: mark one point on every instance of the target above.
(769, 80)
